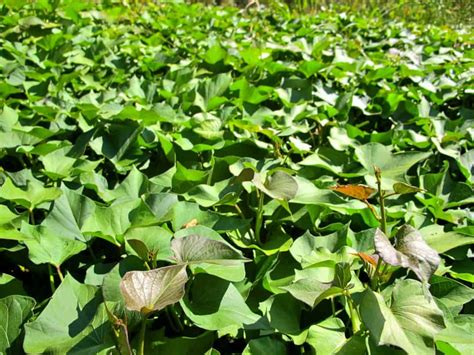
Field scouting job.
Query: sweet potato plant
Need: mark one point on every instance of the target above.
(182, 179)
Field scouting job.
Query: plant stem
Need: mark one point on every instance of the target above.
(375, 280)
(175, 317)
(61, 276)
(32, 216)
(259, 220)
(141, 339)
(209, 177)
(239, 211)
(51, 279)
(355, 320)
(372, 209)
(333, 307)
(383, 224)
(384, 270)
(383, 216)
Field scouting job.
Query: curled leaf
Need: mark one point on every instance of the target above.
(410, 251)
(279, 185)
(148, 291)
(402, 188)
(360, 192)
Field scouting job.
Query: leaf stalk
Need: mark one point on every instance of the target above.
(51, 279)
(383, 225)
(141, 339)
(353, 314)
(259, 220)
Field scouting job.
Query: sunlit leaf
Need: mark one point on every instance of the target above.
(410, 322)
(148, 291)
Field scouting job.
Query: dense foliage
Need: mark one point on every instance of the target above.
(186, 180)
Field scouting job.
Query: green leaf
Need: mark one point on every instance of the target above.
(411, 322)
(392, 166)
(309, 250)
(265, 345)
(161, 205)
(111, 222)
(457, 336)
(283, 313)
(148, 291)
(336, 162)
(150, 243)
(402, 188)
(197, 249)
(10, 286)
(30, 198)
(311, 285)
(45, 246)
(14, 312)
(69, 214)
(308, 193)
(157, 343)
(214, 304)
(111, 280)
(215, 54)
(326, 336)
(411, 251)
(442, 241)
(73, 321)
(8, 118)
(133, 186)
(354, 345)
(450, 292)
(6, 216)
(312, 292)
(135, 90)
(57, 164)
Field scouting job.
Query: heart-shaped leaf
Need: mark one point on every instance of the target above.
(34, 195)
(197, 249)
(410, 251)
(72, 322)
(148, 291)
(215, 304)
(392, 165)
(45, 246)
(411, 321)
(312, 291)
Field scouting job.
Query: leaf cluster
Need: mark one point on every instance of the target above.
(188, 179)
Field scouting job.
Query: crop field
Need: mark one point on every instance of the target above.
(190, 179)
